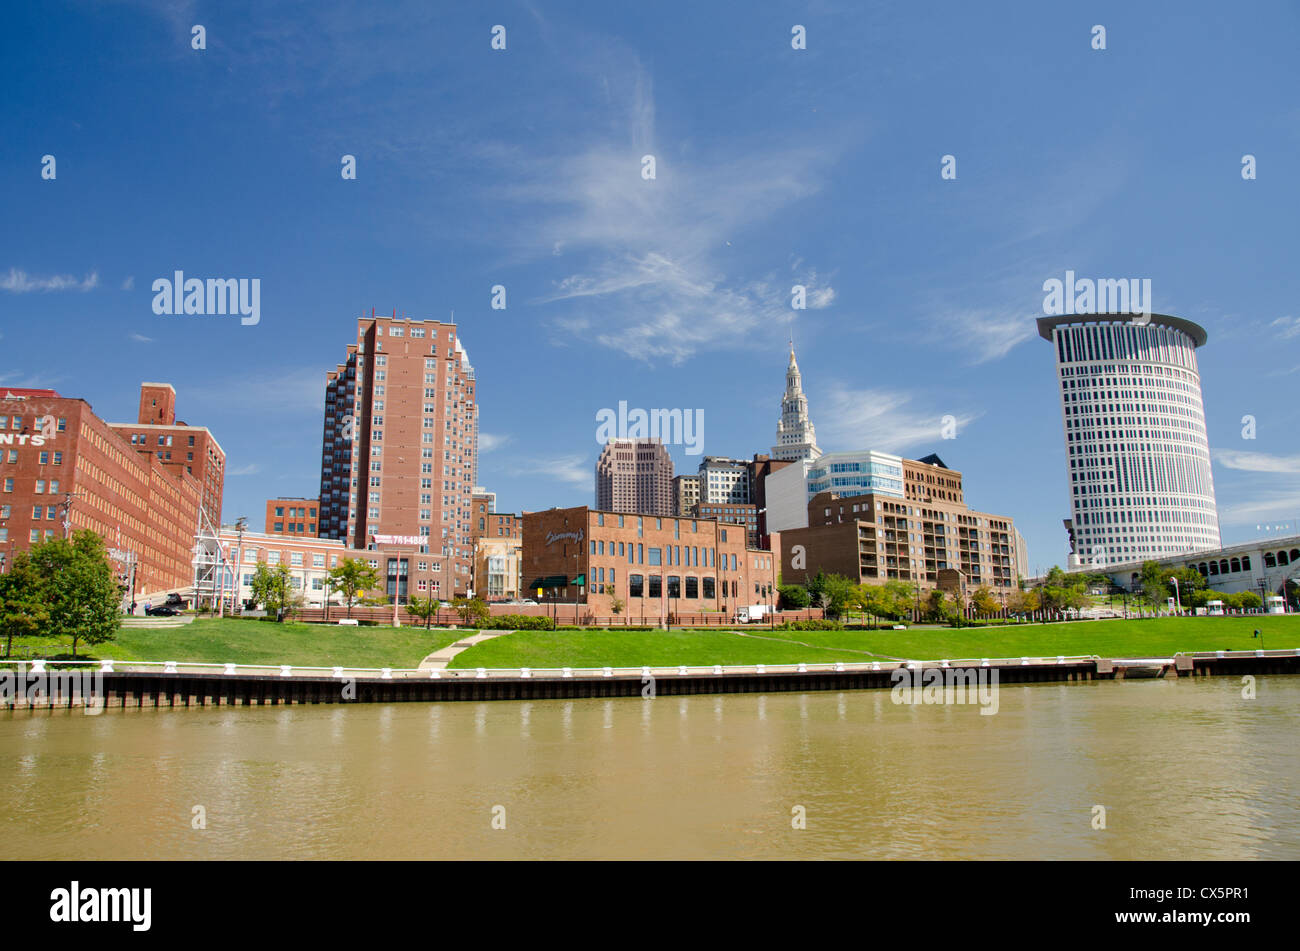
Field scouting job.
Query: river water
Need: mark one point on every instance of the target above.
(1185, 769)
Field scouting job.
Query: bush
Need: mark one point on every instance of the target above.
(518, 622)
(812, 625)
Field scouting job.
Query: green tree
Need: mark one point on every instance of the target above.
(79, 587)
(471, 610)
(23, 611)
(423, 609)
(271, 588)
(835, 594)
(793, 597)
(1249, 601)
(351, 578)
(616, 604)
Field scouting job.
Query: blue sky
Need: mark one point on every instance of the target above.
(774, 167)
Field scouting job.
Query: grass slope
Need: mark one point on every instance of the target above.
(1119, 638)
(231, 640)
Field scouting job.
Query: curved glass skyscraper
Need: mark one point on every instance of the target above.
(1139, 459)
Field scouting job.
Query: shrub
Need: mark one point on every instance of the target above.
(811, 625)
(518, 622)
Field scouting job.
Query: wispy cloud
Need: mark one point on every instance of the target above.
(295, 392)
(20, 282)
(576, 470)
(1258, 461)
(129, 282)
(490, 442)
(879, 419)
(140, 338)
(251, 469)
(1287, 327)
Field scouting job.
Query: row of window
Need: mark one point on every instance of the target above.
(47, 457)
(16, 422)
(40, 486)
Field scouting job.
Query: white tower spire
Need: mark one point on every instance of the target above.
(796, 438)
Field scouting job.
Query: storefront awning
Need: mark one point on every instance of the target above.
(550, 581)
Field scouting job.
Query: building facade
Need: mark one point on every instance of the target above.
(157, 431)
(655, 566)
(789, 490)
(498, 550)
(400, 453)
(62, 468)
(1141, 484)
(724, 481)
(291, 516)
(686, 494)
(635, 475)
(796, 438)
(308, 559)
(733, 514)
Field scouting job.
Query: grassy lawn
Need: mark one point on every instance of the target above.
(1119, 638)
(231, 640)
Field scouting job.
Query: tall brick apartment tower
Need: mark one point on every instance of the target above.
(635, 475)
(400, 454)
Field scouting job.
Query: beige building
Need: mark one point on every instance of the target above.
(635, 475)
(686, 494)
(920, 539)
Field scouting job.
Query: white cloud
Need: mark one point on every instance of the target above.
(878, 419)
(490, 442)
(1257, 461)
(20, 282)
(140, 338)
(577, 470)
(1290, 327)
(129, 282)
(251, 469)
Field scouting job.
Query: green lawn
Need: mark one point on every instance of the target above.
(1119, 638)
(231, 640)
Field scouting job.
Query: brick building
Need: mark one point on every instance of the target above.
(733, 514)
(291, 516)
(62, 468)
(400, 453)
(157, 431)
(308, 559)
(498, 550)
(656, 565)
(874, 537)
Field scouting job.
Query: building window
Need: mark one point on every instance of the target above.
(635, 586)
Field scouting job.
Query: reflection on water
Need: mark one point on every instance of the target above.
(1185, 769)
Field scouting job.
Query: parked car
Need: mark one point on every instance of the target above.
(175, 600)
(162, 610)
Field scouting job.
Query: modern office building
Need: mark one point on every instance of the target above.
(655, 566)
(686, 494)
(928, 537)
(635, 475)
(62, 468)
(789, 490)
(291, 516)
(796, 438)
(724, 481)
(1141, 485)
(400, 453)
(158, 431)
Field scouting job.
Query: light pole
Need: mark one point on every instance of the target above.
(1177, 596)
(577, 563)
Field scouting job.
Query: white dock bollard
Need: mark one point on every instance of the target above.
(169, 667)
(230, 670)
(607, 672)
(717, 669)
(338, 672)
(984, 662)
(568, 671)
(482, 674)
(284, 671)
(105, 666)
(386, 674)
(525, 673)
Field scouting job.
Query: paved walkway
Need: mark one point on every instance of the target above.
(438, 660)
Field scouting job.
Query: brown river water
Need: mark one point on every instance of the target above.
(1185, 769)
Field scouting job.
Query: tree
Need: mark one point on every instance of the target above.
(351, 578)
(471, 610)
(23, 611)
(78, 585)
(835, 594)
(1249, 601)
(1023, 603)
(271, 588)
(423, 609)
(793, 597)
(616, 604)
(984, 602)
